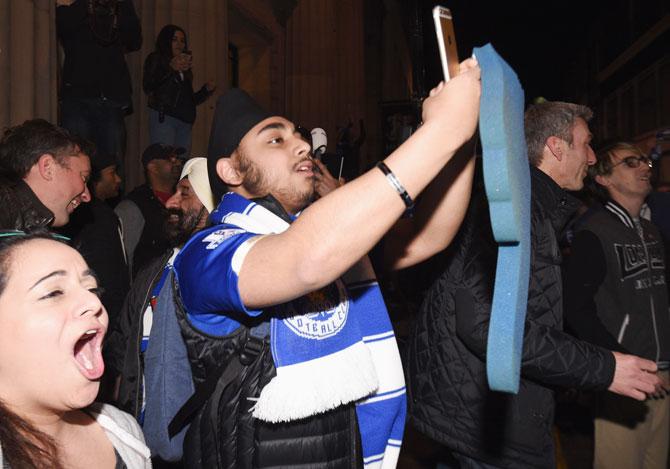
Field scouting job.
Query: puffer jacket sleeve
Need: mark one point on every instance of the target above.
(550, 356)
(201, 95)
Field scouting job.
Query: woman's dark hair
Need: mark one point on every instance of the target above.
(164, 40)
(23, 445)
(11, 239)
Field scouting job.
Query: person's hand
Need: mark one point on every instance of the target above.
(664, 388)
(454, 106)
(176, 63)
(210, 85)
(181, 62)
(634, 377)
(324, 182)
(188, 60)
(64, 3)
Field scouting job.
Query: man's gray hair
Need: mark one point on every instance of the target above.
(551, 118)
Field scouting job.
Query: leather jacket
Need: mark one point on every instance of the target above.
(21, 209)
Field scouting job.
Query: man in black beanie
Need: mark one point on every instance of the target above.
(294, 362)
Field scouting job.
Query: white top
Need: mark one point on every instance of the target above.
(124, 433)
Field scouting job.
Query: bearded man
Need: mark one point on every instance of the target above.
(293, 354)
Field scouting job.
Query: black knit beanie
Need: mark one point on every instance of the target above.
(235, 114)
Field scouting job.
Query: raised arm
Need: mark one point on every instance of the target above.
(338, 229)
(438, 215)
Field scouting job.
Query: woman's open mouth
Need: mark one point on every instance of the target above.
(88, 353)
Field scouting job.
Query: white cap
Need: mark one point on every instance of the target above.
(319, 141)
(196, 170)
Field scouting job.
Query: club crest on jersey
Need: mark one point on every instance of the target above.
(327, 310)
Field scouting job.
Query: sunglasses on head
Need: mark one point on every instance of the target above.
(635, 161)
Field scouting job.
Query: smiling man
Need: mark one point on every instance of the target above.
(293, 355)
(44, 175)
(145, 348)
(447, 350)
(617, 297)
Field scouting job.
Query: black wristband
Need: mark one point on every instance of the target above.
(395, 183)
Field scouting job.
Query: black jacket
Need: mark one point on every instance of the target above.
(224, 434)
(21, 209)
(448, 392)
(94, 47)
(153, 240)
(616, 293)
(122, 349)
(94, 230)
(169, 92)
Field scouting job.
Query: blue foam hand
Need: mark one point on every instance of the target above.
(507, 182)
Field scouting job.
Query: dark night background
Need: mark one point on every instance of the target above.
(542, 41)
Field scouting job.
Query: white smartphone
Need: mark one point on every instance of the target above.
(446, 41)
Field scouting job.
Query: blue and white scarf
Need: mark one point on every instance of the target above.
(331, 347)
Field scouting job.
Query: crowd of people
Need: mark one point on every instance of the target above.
(225, 312)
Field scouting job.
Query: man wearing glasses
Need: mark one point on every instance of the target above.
(455, 408)
(616, 297)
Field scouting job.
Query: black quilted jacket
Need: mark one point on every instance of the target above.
(448, 391)
(224, 434)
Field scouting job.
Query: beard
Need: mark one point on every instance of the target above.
(292, 199)
(179, 230)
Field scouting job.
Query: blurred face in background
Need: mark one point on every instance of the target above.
(107, 187)
(166, 170)
(178, 43)
(630, 177)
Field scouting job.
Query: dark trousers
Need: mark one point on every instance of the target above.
(99, 120)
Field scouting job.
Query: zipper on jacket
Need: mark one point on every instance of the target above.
(140, 365)
(653, 321)
(624, 325)
(640, 233)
